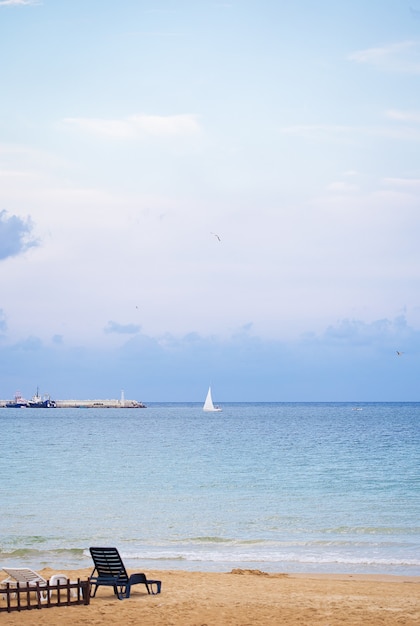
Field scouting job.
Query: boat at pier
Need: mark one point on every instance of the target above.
(44, 402)
(36, 402)
(19, 402)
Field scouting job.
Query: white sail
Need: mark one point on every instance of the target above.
(208, 405)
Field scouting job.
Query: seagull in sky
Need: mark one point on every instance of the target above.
(216, 235)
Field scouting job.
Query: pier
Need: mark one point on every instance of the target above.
(100, 404)
(91, 404)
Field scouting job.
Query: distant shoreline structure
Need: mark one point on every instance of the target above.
(89, 404)
(84, 404)
(47, 403)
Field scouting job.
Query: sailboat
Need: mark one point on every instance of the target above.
(208, 405)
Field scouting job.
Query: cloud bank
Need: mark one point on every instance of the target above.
(350, 361)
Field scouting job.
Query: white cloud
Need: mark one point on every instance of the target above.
(336, 132)
(314, 129)
(10, 3)
(342, 187)
(398, 57)
(350, 173)
(408, 184)
(137, 125)
(403, 116)
(13, 174)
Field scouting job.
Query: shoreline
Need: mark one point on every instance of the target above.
(242, 597)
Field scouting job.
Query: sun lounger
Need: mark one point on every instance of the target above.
(62, 579)
(22, 575)
(110, 571)
(26, 576)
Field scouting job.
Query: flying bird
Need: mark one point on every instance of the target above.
(399, 353)
(216, 235)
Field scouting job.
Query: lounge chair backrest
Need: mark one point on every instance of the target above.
(23, 575)
(108, 563)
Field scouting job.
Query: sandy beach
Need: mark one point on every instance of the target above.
(242, 598)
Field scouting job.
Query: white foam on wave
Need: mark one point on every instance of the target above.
(211, 556)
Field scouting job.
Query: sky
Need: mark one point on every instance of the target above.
(220, 192)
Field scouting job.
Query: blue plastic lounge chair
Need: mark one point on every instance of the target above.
(110, 571)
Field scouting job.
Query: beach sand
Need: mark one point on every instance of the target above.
(241, 598)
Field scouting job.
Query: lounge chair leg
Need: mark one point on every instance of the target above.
(120, 592)
(158, 586)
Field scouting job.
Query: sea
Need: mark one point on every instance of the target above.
(278, 487)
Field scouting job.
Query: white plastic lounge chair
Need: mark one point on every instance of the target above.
(62, 579)
(24, 575)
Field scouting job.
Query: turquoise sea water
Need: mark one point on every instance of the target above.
(294, 487)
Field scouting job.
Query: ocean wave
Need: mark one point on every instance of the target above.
(216, 540)
(33, 553)
(209, 556)
(273, 544)
(371, 530)
(284, 559)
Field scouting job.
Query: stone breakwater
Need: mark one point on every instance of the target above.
(93, 404)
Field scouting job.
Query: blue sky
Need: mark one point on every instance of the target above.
(210, 191)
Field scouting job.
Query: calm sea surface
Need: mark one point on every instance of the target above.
(295, 487)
